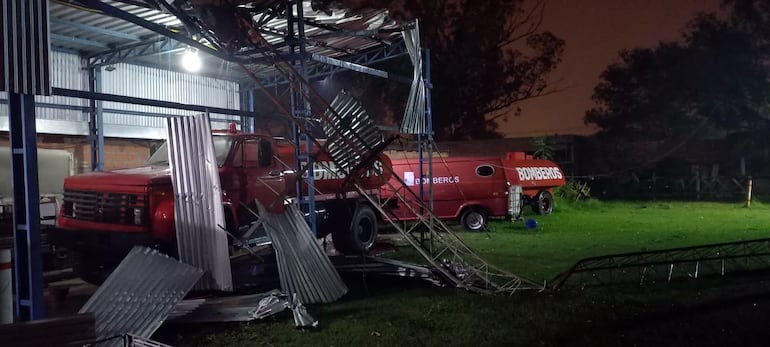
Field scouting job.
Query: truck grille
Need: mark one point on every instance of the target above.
(111, 208)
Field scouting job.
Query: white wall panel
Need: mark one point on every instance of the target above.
(65, 73)
(128, 80)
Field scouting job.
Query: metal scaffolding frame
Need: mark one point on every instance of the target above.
(667, 265)
(303, 144)
(353, 153)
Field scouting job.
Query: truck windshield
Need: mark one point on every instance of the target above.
(222, 146)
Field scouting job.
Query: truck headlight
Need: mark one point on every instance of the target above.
(138, 215)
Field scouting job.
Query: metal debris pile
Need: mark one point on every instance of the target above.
(241, 308)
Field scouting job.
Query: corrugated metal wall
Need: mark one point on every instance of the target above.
(157, 84)
(65, 73)
(128, 80)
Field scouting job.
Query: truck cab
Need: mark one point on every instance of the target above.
(105, 214)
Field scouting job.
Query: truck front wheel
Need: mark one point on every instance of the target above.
(91, 268)
(361, 234)
(473, 219)
(543, 203)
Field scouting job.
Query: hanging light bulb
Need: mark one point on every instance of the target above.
(191, 62)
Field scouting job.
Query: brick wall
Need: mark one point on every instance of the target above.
(118, 153)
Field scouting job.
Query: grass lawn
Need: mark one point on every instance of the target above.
(580, 230)
(395, 312)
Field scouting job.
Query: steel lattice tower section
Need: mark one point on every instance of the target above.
(300, 110)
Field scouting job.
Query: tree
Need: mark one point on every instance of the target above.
(486, 56)
(713, 84)
(543, 146)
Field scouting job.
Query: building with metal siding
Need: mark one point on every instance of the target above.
(69, 116)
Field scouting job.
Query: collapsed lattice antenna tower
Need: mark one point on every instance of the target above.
(353, 149)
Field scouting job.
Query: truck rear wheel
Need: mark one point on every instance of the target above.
(543, 203)
(91, 268)
(474, 219)
(360, 237)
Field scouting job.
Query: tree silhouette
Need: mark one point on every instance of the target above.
(713, 84)
(486, 56)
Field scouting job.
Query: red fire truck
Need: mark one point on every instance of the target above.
(473, 189)
(104, 214)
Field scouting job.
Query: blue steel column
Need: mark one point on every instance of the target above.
(305, 200)
(96, 121)
(26, 207)
(246, 95)
(250, 121)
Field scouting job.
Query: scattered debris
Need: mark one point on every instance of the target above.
(302, 319)
(386, 267)
(270, 305)
(243, 308)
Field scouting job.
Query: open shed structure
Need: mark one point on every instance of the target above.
(111, 69)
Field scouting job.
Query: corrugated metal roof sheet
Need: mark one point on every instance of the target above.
(303, 267)
(198, 211)
(350, 133)
(139, 294)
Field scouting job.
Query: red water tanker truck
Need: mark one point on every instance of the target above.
(104, 214)
(473, 189)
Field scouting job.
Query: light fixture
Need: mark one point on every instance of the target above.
(190, 60)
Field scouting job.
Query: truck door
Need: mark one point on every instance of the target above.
(263, 179)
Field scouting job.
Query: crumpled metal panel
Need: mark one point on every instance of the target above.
(241, 308)
(414, 121)
(139, 294)
(350, 133)
(303, 267)
(198, 205)
(385, 266)
(302, 319)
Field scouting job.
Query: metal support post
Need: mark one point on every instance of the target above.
(96, 120)
(421, 182)
(6, 283)
(301, 111)
(429, 134)
(250, 121)
(26, 207)
(246, 95)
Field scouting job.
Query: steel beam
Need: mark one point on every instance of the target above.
(348, 65)
(86, 109)
(26, 207)
(72, 93)
(367, 58)
(79, 41)
(95, 29)
(120, 14)
(96, 121)
(130, 52)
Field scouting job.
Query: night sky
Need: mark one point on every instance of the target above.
(594, 31)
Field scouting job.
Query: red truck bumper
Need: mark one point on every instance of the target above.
(108, 244)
